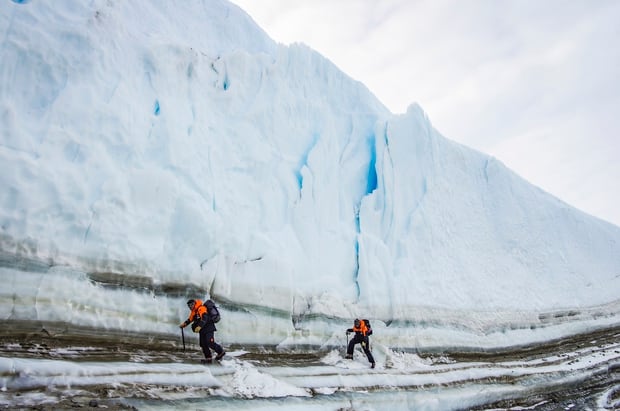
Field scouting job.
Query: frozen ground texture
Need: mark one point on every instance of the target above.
(577, 373)
(155, 151)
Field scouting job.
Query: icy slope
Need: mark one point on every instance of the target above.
(460, 230)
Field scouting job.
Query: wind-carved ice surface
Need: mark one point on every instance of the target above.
(151, 153)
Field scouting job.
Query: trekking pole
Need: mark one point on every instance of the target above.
(183, 338)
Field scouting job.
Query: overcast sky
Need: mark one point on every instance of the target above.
(534, 83)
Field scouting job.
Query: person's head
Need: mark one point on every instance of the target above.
(356, 322)
(191, 303)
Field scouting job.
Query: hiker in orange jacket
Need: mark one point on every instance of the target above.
(201, 323)
(362, 331)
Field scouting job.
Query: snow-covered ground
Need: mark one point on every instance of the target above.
(155, 152)
(580, 372)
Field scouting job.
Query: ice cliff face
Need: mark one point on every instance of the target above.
(169, 150)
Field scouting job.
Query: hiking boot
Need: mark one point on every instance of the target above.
(220, 355)
(207, 361)
(372, 365)
(349, 356)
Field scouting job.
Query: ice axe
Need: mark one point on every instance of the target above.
(183, 338)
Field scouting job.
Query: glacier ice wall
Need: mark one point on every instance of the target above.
(175, 149)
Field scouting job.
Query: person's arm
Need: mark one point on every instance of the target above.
(200, 319)
(200, 323)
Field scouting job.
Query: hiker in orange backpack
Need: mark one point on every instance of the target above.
(362, 330)
(202, 323)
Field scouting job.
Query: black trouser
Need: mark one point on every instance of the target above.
(360, 339)
(207, 343)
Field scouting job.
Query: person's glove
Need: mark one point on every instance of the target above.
(348, 332)
(183, 325)
(197, 329)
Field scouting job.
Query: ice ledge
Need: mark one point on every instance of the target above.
(75, 299)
